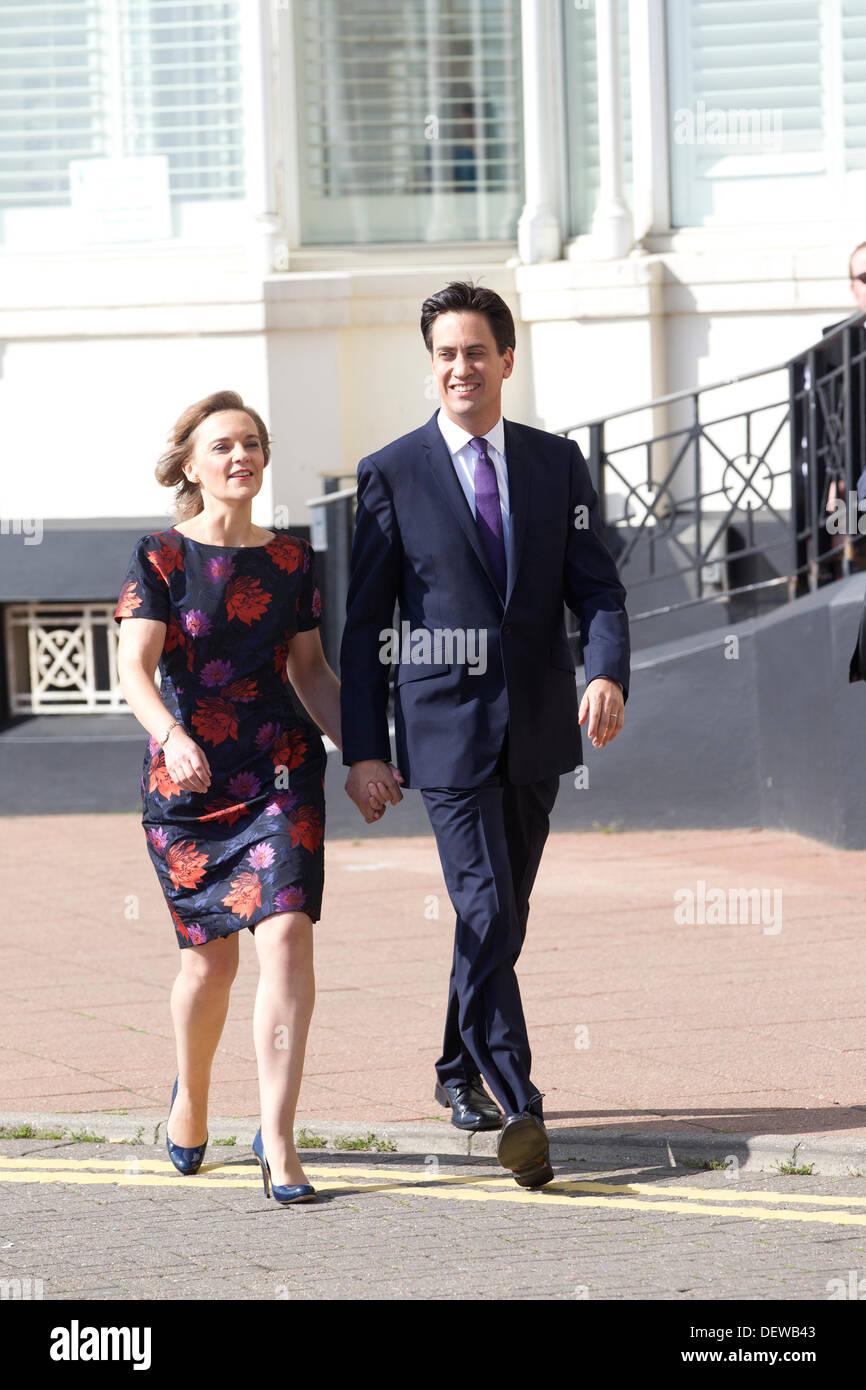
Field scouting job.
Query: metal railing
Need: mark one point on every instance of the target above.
(706, 499)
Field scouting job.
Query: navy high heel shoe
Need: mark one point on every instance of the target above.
(186, 1161)
(301, 1192)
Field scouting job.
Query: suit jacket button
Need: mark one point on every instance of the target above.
(506, 631)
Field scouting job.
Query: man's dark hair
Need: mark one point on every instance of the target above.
(462, 296)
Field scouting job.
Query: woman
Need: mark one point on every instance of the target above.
(233, 780)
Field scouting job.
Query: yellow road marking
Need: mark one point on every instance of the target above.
(414, 1177)
(643, 1197)
(645, 1189)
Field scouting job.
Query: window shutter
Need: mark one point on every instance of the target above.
(50, 98)
(746, 82)
(854, 82)
(184, 99)
(409, 117)
(88, 79)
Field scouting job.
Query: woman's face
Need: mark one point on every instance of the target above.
(226, 458)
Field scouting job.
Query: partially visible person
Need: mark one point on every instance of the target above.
(857, 276)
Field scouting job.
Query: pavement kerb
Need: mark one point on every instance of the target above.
(596, 1148)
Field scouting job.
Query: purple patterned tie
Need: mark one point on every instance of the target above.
(488, 515)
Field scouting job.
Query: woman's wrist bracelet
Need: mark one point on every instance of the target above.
(173, 725)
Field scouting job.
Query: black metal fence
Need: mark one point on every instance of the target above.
(740, 494)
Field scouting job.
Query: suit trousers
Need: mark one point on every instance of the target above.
(490, 840)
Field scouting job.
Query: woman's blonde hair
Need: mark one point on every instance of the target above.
(169, 468)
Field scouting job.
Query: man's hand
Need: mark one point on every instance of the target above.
(371, 784)
(603, 702)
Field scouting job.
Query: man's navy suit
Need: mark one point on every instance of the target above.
(486, 749)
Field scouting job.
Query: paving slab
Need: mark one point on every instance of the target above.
(649, 1013)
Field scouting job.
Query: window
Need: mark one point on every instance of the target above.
(152, 85)
(767, 109)
(409, 117)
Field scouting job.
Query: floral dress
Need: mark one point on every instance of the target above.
(252, 844)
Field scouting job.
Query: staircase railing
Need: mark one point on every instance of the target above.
(740, 493)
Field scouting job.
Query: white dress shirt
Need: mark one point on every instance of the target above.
(464, 459)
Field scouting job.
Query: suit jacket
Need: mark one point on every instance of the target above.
(416, 542)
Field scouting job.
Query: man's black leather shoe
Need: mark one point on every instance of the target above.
(524, 1148)
(471, 1107)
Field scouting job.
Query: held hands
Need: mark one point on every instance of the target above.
(603, 702)
(185, 762)
(371, 784)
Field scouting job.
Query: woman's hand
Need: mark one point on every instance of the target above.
(185, 762)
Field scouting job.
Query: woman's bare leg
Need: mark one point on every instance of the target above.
(281, 1021)
(199, 1004)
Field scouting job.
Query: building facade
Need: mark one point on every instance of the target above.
(257, 194)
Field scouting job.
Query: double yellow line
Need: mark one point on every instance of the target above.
(350, 1180)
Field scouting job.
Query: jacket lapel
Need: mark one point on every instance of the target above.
(517, 465)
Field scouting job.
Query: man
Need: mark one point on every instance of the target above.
(480, 529)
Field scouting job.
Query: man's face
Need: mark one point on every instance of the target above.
(858, 267)
(469, 369)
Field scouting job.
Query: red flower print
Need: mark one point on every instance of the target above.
(178, 923)
(185, 864)
(285, 552)
(165, 560)
(128, 602)
(245, 599)
(306, 828)
(176, 637)
(160, 779)
(243, 690)
(289, 750)
(281, 655)
(224, 808)
(215, 720)
(246, 893)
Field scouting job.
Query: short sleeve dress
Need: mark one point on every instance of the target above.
(252, 844)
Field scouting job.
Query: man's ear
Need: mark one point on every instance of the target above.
(508, 357)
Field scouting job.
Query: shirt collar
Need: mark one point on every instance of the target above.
(456, 437)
